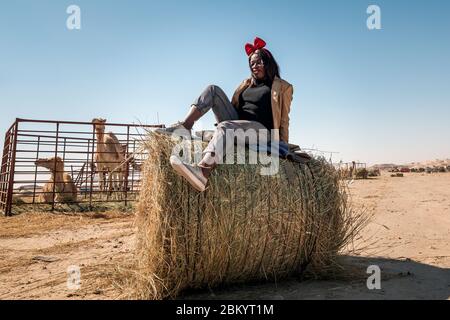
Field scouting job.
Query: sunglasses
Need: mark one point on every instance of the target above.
(258, 62)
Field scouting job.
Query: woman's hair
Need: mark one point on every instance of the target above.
(270, 65)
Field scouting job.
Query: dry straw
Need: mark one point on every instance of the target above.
(244, 227)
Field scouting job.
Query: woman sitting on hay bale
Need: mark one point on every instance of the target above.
(260, 104)
(247, 226)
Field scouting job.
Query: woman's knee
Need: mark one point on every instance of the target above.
(227, 124)
(215, 89)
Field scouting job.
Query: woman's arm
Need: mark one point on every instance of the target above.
(285, 109)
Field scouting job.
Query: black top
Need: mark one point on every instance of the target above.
(256, 104)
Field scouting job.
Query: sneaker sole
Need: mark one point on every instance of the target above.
(179, 167)
(168, 133)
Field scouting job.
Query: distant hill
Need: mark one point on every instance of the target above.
(384, 166)
(431, 163)
(423, 164)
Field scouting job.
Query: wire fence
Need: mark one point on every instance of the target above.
(351, 170)
(48, 164)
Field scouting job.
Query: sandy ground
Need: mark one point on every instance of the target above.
(408, 238)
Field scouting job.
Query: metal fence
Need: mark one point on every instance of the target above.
(55, 163)
(350, 165)
(351, 170)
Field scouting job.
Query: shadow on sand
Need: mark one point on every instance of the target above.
(400, 279)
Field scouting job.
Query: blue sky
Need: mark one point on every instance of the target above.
(373, 96)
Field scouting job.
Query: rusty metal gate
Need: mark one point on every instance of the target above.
(49, 164)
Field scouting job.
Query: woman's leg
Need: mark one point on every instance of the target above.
(193, 115)
(213, 97)
(222, 142)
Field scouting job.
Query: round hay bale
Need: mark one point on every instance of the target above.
(244, 227)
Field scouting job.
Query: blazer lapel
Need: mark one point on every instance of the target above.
(276, 110)
(244, 85)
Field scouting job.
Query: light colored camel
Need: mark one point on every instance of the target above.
(65, 189)
(109, 157)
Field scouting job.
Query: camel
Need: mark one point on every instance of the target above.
(109, 157)
(65, 189)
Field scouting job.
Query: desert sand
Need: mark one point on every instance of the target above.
(408, 238)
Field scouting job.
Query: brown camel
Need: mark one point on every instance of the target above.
(65, 189)
(109, 157)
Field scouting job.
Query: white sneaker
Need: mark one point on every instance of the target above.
(193, 175)
(178, 129)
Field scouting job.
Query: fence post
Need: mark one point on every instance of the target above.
(12, 169)
(64, 149)
(4, 178)
(54, 168)
(85, 176)
(35, 170)
(132, 169)
(127, 166)
(92, 173)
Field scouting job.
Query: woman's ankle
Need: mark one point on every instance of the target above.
(206, 171)
(206, 168)
(187, 125)
(193, 115)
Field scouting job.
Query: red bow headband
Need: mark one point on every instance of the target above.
(257, 44)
